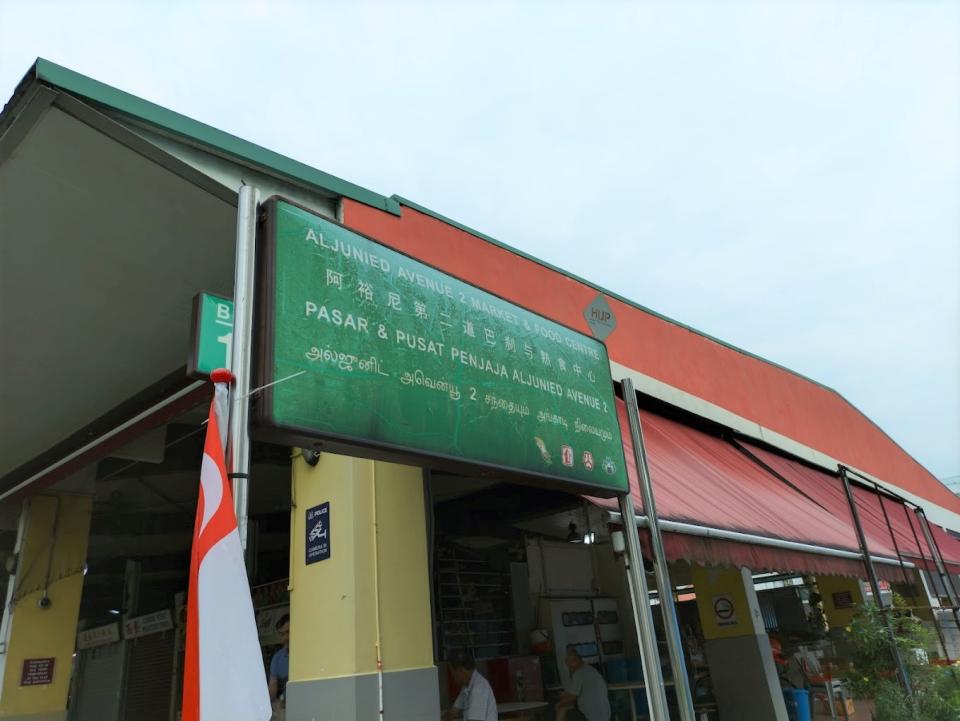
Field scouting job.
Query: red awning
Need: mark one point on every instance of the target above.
(828, 490)
(703, 480)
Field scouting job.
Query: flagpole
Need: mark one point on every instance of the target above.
(238, 448)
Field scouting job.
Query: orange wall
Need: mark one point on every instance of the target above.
(746, 386)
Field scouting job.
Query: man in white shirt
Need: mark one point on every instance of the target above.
(476, 701)
(586, 697)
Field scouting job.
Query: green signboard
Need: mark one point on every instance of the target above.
(212, 335)
(375, 353)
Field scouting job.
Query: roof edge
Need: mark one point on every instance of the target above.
(20, 91)
(62, 78)
(600, 289)
(102, 94)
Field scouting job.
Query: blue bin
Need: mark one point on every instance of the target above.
(798, 704)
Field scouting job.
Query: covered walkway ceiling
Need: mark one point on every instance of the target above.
(108, 229)
(102, 252)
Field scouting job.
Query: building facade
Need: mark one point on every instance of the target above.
(116, 213)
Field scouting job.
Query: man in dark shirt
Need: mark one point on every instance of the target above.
(280, 665)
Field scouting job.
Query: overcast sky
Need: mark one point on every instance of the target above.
(784, 177)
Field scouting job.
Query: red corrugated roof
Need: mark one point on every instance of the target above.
(828, 490)
(704, 480)
(706, 368)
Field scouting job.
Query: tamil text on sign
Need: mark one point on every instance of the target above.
(365, 346)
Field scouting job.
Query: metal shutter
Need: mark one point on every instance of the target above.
(99, 684)
(149, 678)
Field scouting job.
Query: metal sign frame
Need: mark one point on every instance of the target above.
(267, 428)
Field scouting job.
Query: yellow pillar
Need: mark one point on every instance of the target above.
(41, 622)
(842, 597)
(372, 592)
(745, 681)
(726, 602)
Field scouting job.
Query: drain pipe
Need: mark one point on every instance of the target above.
(722, 534)
(376, 596)
(238, 448)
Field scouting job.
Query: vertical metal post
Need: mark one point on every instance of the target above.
(945, 579)
(896, 546)
(875, 584)
(664, 586)
(642, 615)
(906, 575)
(920, 569)
(238, 444)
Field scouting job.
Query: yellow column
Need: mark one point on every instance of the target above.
(842, 598)
(736, 645)
(41, 622)
(372, 592)
(726, 602)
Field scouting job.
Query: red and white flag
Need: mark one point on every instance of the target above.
(223, 674)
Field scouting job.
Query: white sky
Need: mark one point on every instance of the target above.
(785, 177)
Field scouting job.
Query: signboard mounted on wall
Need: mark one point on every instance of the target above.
(37, 671)
(211, 335)
(99, 636)
(317, 530)
(724, 610)
(364, 350)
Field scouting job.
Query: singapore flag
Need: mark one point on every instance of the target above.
(223, 674)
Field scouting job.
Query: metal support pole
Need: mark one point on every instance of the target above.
(945, 578)
(912, 584)
(896, 548)
(664, 586)
(238, 444)
(923, 565)
(642, 615)
(947, 581)
(875, 584)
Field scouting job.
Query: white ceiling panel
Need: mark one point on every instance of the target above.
(101, 252)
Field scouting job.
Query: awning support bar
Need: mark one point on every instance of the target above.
(906, 577)
(664, 586)
(722, 534)
(875, 584)
(643, 619)
(945, 578)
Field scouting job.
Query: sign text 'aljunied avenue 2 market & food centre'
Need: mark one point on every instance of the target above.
(371, 349)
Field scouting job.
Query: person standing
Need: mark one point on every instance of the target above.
(280, 668)
(586, 697)
(475, 701)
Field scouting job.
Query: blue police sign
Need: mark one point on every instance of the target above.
(318, 533)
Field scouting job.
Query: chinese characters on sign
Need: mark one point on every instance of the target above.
(371, 348)
(99, 636)
(150, 623)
